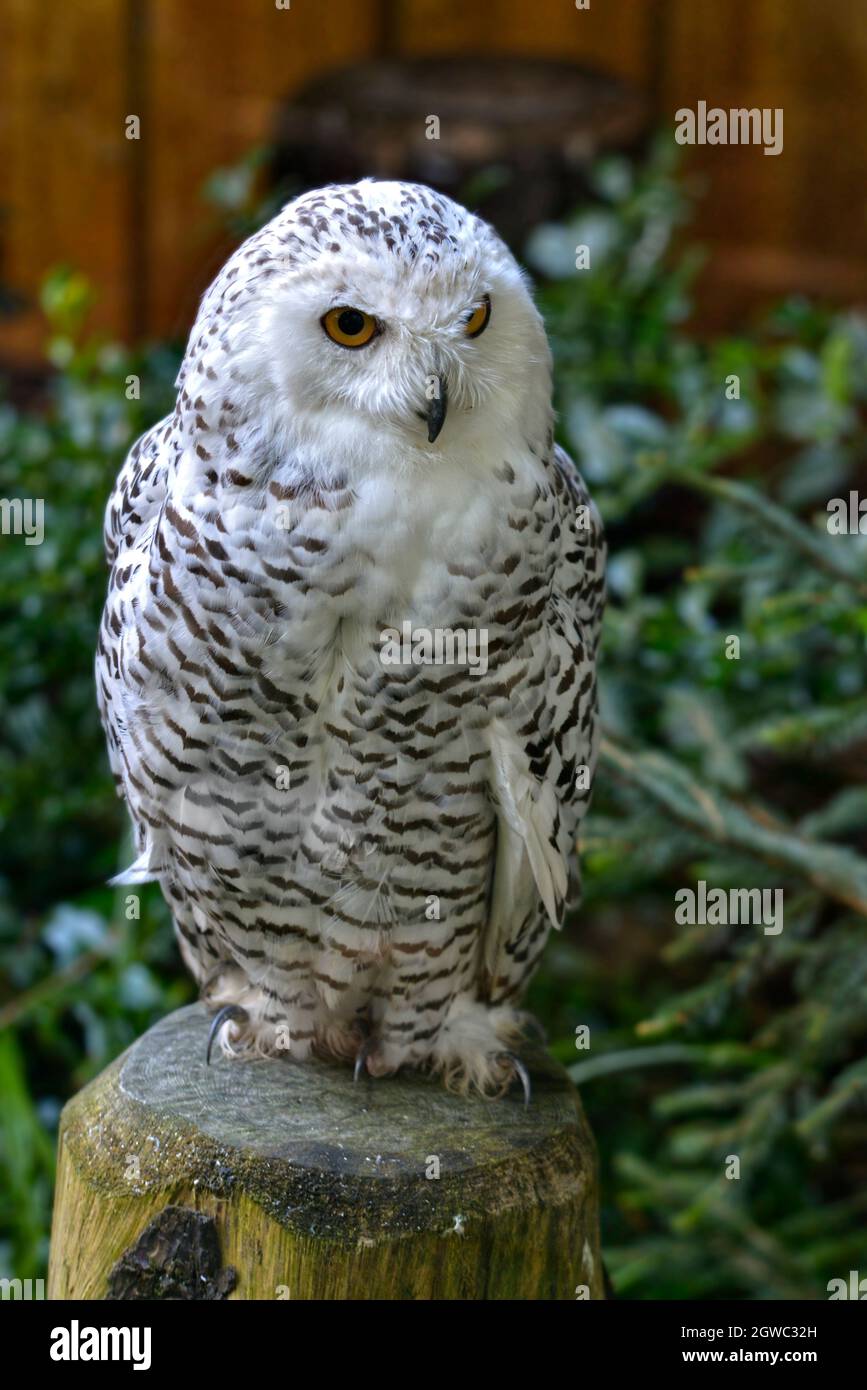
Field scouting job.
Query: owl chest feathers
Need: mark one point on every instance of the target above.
(268, 609)
(305, 569)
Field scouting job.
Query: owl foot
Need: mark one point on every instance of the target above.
(230, 1013)
(367, 1049)
(519, 1072)
(476, 1047)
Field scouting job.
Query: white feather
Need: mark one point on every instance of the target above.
(528, 808)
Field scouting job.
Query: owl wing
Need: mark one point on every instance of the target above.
(541, 777)
(131, 517)
(139, 492)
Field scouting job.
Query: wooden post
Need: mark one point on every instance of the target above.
(516, 135)
(269, 1179)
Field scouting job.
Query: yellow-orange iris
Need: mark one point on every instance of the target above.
(349, 327)
(478, 320)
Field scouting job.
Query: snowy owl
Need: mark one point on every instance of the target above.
(347, 664)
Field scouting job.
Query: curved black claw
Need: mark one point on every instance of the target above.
(362, 1055)
(229, 1011)
(521, 1072)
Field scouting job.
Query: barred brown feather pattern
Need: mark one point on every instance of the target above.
(355, 852)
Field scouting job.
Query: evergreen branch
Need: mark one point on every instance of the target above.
(761, 509)
(849, 1086)
(836, 871)
(839, 725)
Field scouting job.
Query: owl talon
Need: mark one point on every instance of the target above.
(361, 1056)
(232, 1012)
(520, 1072)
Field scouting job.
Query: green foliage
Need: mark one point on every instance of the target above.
(78, 980)
(706, 1041)
(718, 1040)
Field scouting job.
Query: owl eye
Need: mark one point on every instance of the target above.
(479, 318)
(349, 327)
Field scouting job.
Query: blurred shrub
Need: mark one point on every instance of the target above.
(749, 772)
(77, 982)
(706, 1041)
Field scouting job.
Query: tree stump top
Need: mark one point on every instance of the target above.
(311, 1114)
(271, 1146)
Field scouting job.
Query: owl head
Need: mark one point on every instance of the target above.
(371, 313)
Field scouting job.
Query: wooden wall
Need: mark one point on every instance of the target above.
(205, 76)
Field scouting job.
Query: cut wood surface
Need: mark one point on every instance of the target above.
(272, 1179)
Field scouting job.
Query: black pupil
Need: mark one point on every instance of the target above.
(351, 322)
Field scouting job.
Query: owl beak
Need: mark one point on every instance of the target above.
(436, 410)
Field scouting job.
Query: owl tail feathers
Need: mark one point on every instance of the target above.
(530, 812)
(142, 871)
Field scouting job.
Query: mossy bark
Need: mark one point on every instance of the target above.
(308, 1186)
